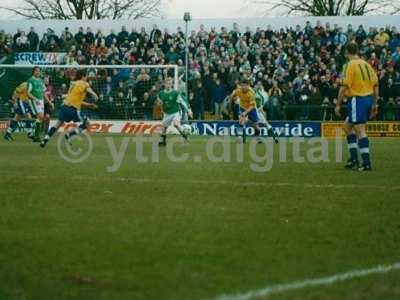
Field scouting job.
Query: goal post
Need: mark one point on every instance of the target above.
(126, 92)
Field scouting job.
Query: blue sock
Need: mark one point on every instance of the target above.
(353, 147)
(364, 150)
(52, 131)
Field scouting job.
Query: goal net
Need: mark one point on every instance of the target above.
(126, 92)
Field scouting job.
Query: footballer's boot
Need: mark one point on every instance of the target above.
(34, 138)
(271, 132)
(43, 143)
(352, 164)
(365, 168)
(8, 136)
(163, 141)
(67, 138)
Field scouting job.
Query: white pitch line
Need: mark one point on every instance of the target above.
(218, 182)
(316, 282)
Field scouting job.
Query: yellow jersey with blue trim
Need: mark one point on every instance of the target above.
(76, 94)
(247, 98)
(22, 92)
(359, 78)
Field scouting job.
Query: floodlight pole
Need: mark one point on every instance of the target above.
(187, 18)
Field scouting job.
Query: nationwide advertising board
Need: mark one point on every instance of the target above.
(282, 129)
(206, 128)
(219, 128)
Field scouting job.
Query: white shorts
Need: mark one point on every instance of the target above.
(37, 107)
(169, 119)
(261, 116)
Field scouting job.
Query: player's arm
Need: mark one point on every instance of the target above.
(30, 87)
(185, 105)
(252, 105)
(92, 93)
(340, 99)
(233, 96)
(88, 105)
(345, 84)
(159, 102)
(14, 97)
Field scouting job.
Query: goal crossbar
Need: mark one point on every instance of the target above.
(174, 67)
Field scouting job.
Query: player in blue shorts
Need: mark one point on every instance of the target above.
(21, 109)
(360, 87)
(71, 109)
(248, 110)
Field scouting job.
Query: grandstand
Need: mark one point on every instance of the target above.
(304, 60)
(110, 204)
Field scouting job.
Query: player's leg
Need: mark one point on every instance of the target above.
(46, 119)
(84, 124)
(50, 133)
(163, 141)
(351, 135)
(176, 122)
(66, 114)
(20, 111)
(263, 122)
(242, 125)
(166, 122)
(257, 122)
(363, 144)
(364, 105)
(37, 109)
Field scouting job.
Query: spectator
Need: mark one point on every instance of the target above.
(123, 35)
(22, 42)
(33, 38)
(198, 100)
(274, 104)
(219, 92)
(381, 38)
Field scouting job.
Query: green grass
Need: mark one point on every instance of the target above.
(193, 231)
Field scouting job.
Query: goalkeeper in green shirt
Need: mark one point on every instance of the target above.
(171, 102)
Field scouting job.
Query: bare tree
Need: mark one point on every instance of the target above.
(327, 7)
(86, 9)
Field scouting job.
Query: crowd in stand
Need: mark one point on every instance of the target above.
(296, 69)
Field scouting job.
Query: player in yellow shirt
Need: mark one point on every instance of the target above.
(71, 109)
(361, 88)
(21, 108)
(246, 98)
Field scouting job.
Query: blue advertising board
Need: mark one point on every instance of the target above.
(282, 129)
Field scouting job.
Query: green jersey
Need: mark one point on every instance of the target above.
(36, 87)
(170, 101)
(261, 99)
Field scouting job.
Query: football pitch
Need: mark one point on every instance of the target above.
(196, 230)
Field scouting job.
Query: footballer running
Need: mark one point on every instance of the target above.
(71, 109)
(249, 110)
(171, 102)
